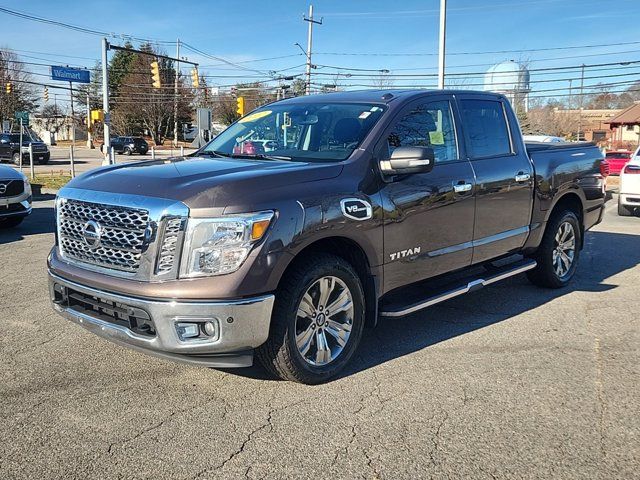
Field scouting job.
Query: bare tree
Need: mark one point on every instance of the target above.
(22, 96)
(383, 81)
(139, 106)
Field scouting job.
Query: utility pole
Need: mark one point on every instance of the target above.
(105, 104)
(175, 95)
(442, 43)
(581, 101)
(311, 21)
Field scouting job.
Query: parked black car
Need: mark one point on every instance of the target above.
(10, 149)
(128, 145)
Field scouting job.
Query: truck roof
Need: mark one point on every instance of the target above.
(382, 96)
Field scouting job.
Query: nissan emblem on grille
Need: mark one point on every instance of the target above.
(3, 188)
(91, 233)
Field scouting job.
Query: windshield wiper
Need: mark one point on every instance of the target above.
(259, 156)
(213, 153)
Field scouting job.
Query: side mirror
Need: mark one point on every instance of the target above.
(408, 160)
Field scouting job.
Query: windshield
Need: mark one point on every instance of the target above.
(618, 155)
(299, 131)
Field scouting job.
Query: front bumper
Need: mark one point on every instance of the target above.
(18, 206)
(243, 324)
(630, 199)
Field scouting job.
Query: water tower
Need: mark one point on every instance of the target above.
(511, 79)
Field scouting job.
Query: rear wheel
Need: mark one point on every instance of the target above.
(127, 151)
(15, 158)
(559, 251)
(623, 210)
(317, 321)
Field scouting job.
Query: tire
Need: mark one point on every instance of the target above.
(548, 273)
(127, 151)
(15, 158)
(300, 291)
(623, 211)
(10, 222)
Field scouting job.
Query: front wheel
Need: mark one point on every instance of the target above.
(16, 158)
(559, 251)
(317, 321)
(127, 151)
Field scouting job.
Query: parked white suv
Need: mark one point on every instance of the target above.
(15, 197)
(629, 197)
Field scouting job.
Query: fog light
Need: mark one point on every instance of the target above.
(187, 330)
(210, 328)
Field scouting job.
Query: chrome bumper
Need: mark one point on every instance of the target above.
(243, 325)
(24, 199)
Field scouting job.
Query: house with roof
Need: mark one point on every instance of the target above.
(625, 127)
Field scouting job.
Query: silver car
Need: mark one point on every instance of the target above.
(15, 197)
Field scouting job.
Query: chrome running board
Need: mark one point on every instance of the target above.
(471, 284)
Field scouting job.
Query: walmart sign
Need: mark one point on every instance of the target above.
(67, 74)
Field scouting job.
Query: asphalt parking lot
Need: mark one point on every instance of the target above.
(511, 381)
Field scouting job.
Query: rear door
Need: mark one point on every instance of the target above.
(428, 216)
(504, 175)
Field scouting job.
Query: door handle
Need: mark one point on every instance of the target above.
(522, 177)
(462, 187)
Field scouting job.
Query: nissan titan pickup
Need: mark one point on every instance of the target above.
(309, 219)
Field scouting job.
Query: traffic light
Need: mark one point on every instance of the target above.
(9, 87)
(97, 116)
(240, 103)
(45, 94)
(195, 80)
(155, 74)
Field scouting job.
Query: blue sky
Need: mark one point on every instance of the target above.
(253, 30)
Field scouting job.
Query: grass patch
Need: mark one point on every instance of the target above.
(53, 181)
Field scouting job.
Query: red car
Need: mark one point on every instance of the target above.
(617, 160)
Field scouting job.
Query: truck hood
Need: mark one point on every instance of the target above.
(202, 182)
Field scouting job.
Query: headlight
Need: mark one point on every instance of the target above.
(215, 246)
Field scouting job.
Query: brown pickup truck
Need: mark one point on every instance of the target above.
(311, 218)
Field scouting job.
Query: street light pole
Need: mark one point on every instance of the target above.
(175, 96)
(105, 104)
(441, 49)
(311, 21)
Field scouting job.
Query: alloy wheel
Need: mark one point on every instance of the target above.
(564, 249)
(324, 321)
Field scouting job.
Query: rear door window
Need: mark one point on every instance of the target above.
(485, 127)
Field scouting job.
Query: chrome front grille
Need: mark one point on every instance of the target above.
(167, 255)
(121, 237)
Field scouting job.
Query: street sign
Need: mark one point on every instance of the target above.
(24, 116)
(67, 74)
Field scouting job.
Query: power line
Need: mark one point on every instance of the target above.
(77, 28)
(486, 52)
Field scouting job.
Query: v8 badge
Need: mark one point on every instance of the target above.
(356, 209)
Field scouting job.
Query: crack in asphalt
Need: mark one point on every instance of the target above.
(436, 440)
(268, 423)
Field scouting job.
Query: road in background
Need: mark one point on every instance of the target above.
(511, 381)
(87, 159)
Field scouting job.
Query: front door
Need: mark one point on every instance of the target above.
(504, 176)
(5, 146)
(428, 228)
